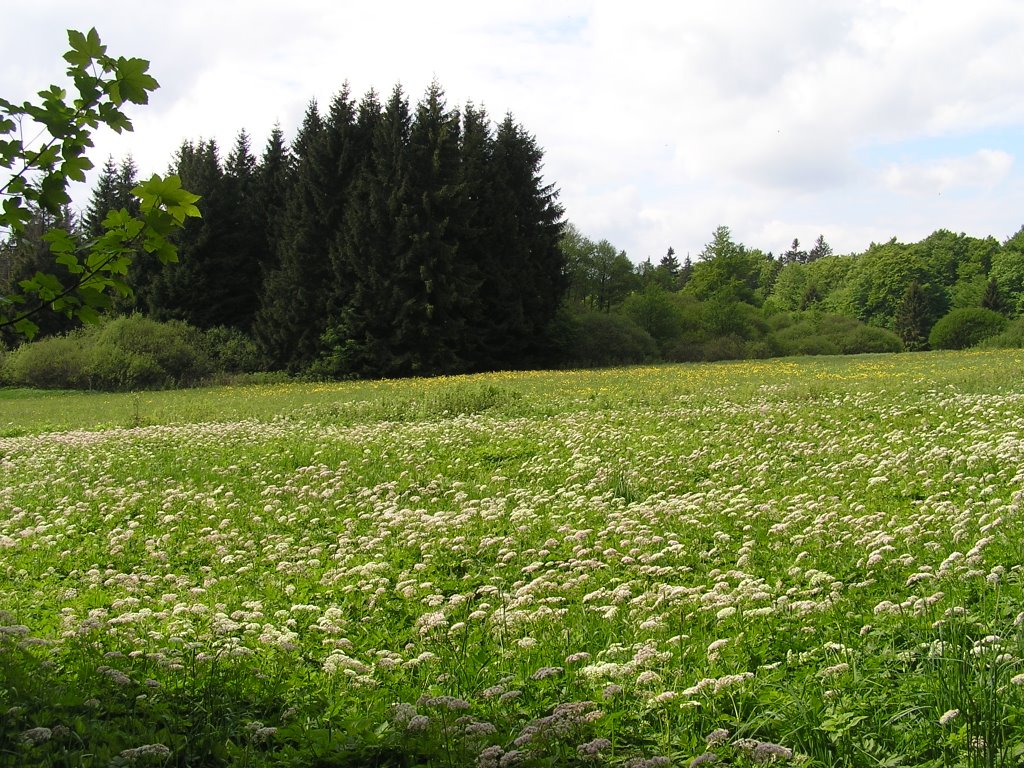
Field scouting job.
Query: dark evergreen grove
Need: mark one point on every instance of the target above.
(389, 239)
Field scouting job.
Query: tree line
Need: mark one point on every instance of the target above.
(948, 290)
(387, 239)
(391, 239)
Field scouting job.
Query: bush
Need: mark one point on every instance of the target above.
(138, 353)
(601, 339)
(1012, 337)
(231, 351)
(818, 333)
(728, 347)
(655, 312)
(123, 353)
(813, 345)
(58, 362)
(869, 338)
(963, 328)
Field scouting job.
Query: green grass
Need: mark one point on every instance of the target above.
(820, 557)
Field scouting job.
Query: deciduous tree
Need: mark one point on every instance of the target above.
(43, 147)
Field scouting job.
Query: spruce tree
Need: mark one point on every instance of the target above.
(912, 314)
(216, 279)
(480, 243)
(992, 298)
(113, 191)
(342, 155)
(127, 180)
(666, 274)
(529, 225)
(368, 338)
(312, 281)
(185, 290)
(435, 290)
(820, 250)
(685, 272)
(795, 254)
(241, 245)
(290, 319)
(25, 253)
(104, 198)
(273, 181)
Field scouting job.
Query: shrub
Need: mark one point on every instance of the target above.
(965, 327)
(57, 362)
(655, 312)
(818, 333)
(759, 349)
(118, 354)
(138, 353)
(814, 345)
(728, 347)
(601, 339)
(869, 338)
(231, 351)
(1012, 337)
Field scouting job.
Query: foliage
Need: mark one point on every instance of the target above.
(230, 350)
(414, 241)
(1012, 337)
(41, 169)
(963, 328)
(912, 318)
(727, 270)
(218, 276)
(56, 362)
(600, 275)
(992, 298)
(129, 353)
(395, 239)
(819, 333)
(600, 339)
(1008, 271)
(655, 311)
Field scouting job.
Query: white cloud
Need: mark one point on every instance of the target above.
(659, 121)
(985, 169)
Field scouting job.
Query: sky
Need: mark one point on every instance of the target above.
(859, 120)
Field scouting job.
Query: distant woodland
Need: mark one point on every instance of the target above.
(390, 239)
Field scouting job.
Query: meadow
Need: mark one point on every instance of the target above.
(810, 562)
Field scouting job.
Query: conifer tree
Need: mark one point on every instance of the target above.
(666, 274)
(376, 232)
(216, 280)
(113, 192)
(993, 299)
(273, 182)
(480, 243)
(528, 224)
(820, 250)
(430, 324)
(241, 243)
(290, 319)
(341, 157)
(24, 253)
(911, 321)
(795, 254)
(187, 290)
(685, 272)
(104, 198)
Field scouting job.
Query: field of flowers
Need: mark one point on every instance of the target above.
(811, 562)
